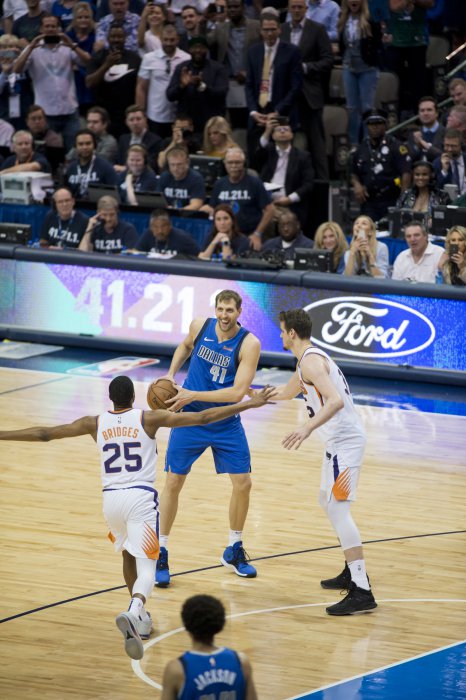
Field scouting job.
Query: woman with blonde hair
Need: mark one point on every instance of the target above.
(366, 255)
(150, 28)
(330, 236)
(453, 262)
(360, 46)
(217, 138)
(225, 239)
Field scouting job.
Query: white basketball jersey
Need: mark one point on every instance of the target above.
(128, 455)
(346, 423)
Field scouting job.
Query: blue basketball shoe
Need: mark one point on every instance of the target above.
(236, 559)
(162, 572)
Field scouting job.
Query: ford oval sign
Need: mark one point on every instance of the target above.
(369, 327)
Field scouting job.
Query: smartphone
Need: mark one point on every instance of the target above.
(51, 39)
(360, 234)
(454, 249)
(283, 121)
(9, 53)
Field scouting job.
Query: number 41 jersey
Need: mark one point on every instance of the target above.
(128, 455)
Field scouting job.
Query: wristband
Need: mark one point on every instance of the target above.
(258, 234)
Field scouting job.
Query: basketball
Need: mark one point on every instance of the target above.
(158, 392)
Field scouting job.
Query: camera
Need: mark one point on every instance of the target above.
(226, 241)
(454, 249)
(51, 39)
(9, 53)
(283, 121)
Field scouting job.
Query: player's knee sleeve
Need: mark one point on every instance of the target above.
(146, 576)
(340, 516)
(323, 500)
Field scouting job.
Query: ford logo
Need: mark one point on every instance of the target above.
(369, 327)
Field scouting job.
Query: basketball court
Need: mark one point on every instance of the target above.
(62, 584)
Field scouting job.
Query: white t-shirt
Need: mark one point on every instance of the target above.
(405, 268)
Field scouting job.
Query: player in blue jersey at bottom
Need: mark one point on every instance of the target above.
(207, 671)
(223, 363)
(125, 438)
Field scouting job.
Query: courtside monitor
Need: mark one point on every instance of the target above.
(313, 259)
(15, 233)
(209, 167)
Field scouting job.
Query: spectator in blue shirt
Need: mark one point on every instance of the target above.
(25, 159)
(161, 237)
(137, 176)
(105, 232)
(88, 167)
(325, 12)
(182, 186)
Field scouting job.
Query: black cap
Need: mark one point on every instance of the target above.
(198, 40)
(373, 116)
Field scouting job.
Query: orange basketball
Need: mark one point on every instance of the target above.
(158, 392)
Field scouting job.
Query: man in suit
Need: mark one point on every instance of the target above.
(317, 60)
(136, 121)
(274, 79)
(229, 43)
(286, 166)
(450, 166)
(426, 143)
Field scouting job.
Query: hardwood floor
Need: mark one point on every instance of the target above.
(62, 586)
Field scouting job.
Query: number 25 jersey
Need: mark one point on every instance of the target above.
(128, 455)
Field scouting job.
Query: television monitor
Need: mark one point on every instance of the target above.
(154, 200)
(313, 259)
(97, 190)
(444, 217)
(209, 167)
(15, 233)
(398, 218)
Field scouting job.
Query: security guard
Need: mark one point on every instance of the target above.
(379, 163)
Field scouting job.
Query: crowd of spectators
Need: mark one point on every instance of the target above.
(124, 92)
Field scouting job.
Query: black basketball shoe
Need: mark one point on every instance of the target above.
(358, 600)
(340, 582)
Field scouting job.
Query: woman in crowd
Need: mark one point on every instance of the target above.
(423, 195)
(217, 138)
(225, 239)
(360, 45)
(329, 236)
(453, 261)
(82, 31)
(150, 28)
(137, 177)
(366, 255)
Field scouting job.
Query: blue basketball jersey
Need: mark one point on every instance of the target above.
(213, 364)
(213, 676)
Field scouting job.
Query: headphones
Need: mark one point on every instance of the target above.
(137, 148)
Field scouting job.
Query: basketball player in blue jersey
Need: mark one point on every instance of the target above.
(334, 417)
(207, 671)
(223, 363)
(126, 441)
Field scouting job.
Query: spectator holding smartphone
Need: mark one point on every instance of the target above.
(366, 255)
(453, 261)
(225, 240)
(50, 60)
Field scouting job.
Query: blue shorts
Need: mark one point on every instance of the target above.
(229, 447)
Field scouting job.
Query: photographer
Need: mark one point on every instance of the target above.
(182, 135)
(453, 262)
(50, 60)
(366, 255)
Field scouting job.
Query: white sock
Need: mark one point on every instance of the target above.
(235, 536)
(136, 606)
(163, 541)
(358, 574)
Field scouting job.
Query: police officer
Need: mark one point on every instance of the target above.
(378, 163)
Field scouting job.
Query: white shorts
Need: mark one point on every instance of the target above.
(133, 520)
(341, 467)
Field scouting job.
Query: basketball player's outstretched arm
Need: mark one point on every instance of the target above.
(166, 419)
(83, 426)
(247, 367)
